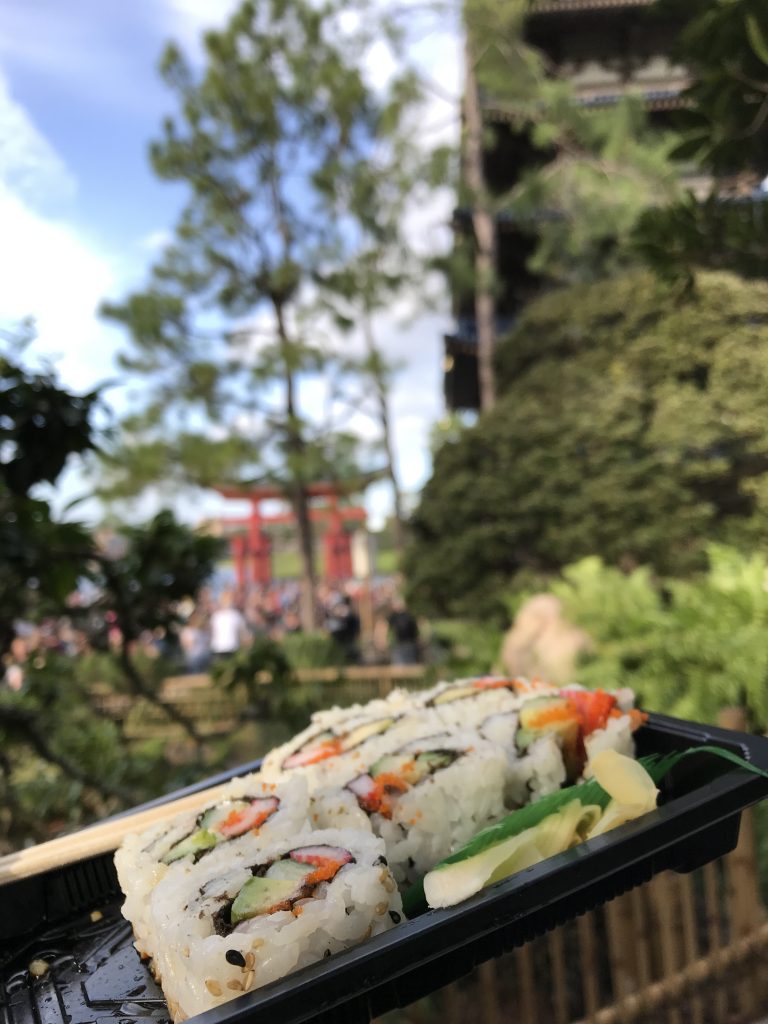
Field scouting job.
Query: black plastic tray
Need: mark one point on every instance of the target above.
(96, 976)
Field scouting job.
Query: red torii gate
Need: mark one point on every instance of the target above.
(253, 547)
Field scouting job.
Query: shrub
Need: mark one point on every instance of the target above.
(630, 424)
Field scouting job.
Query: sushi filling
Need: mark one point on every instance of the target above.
(220, 824)
(395, 774)
(281, 883)
(479, 686)
(325, 744)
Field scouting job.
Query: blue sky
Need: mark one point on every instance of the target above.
(81, 215)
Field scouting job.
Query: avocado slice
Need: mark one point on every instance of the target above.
(288, 870)
(263, 895)
(196, 844)
(434, 760)
(414, 767)
(393, 764)
(457, 693)
(361, 733)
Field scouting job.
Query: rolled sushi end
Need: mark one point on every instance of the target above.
(449, 883)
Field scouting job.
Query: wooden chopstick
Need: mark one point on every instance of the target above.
(97, 838)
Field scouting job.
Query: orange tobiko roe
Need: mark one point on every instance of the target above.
(232, 819)
(593, 708)
(387, 783)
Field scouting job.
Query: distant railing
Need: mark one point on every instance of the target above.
(215, 712)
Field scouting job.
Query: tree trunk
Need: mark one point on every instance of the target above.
(484, 229)
(382, 398)
(298, 486)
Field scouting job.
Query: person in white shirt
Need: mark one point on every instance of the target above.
(228, 628)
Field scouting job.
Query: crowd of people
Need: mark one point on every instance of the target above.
(220, 622)
(217, 627)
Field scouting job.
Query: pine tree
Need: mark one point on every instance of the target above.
(225, 335)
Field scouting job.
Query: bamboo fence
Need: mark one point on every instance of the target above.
(683, 949)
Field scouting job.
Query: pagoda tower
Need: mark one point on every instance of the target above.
(606, 49)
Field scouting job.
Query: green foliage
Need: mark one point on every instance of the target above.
(41, 427)
(630, 424)
(160, 563)
(284, 701)
(464, 647)
(61, 763)
(243, 668)
(594, 171)
(717, 233)
(722, 130)
(725, 44)
(311, 650)
(609, 168)
(687, 647)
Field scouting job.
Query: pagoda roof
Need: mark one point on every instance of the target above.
(653, 99)
(577, 6)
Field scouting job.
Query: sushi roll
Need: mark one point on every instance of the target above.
(329, 756)
(315, 750)
(251, 809)
(399, 702)
(223, 930)
(422, 799)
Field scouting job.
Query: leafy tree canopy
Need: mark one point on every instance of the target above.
(722, 130)
(630, 425)
(41, 426)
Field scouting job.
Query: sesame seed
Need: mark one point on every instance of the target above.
(248, 981)
(96, 915)
(235, 985)
(235, 957)
(389, 884)
(213, 986)
(38, 968)
(396, 918)
(249, 961)
(381, 908)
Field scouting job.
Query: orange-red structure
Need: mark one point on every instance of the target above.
(251, 546)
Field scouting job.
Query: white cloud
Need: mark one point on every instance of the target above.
(29, 166)
(48, 270)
